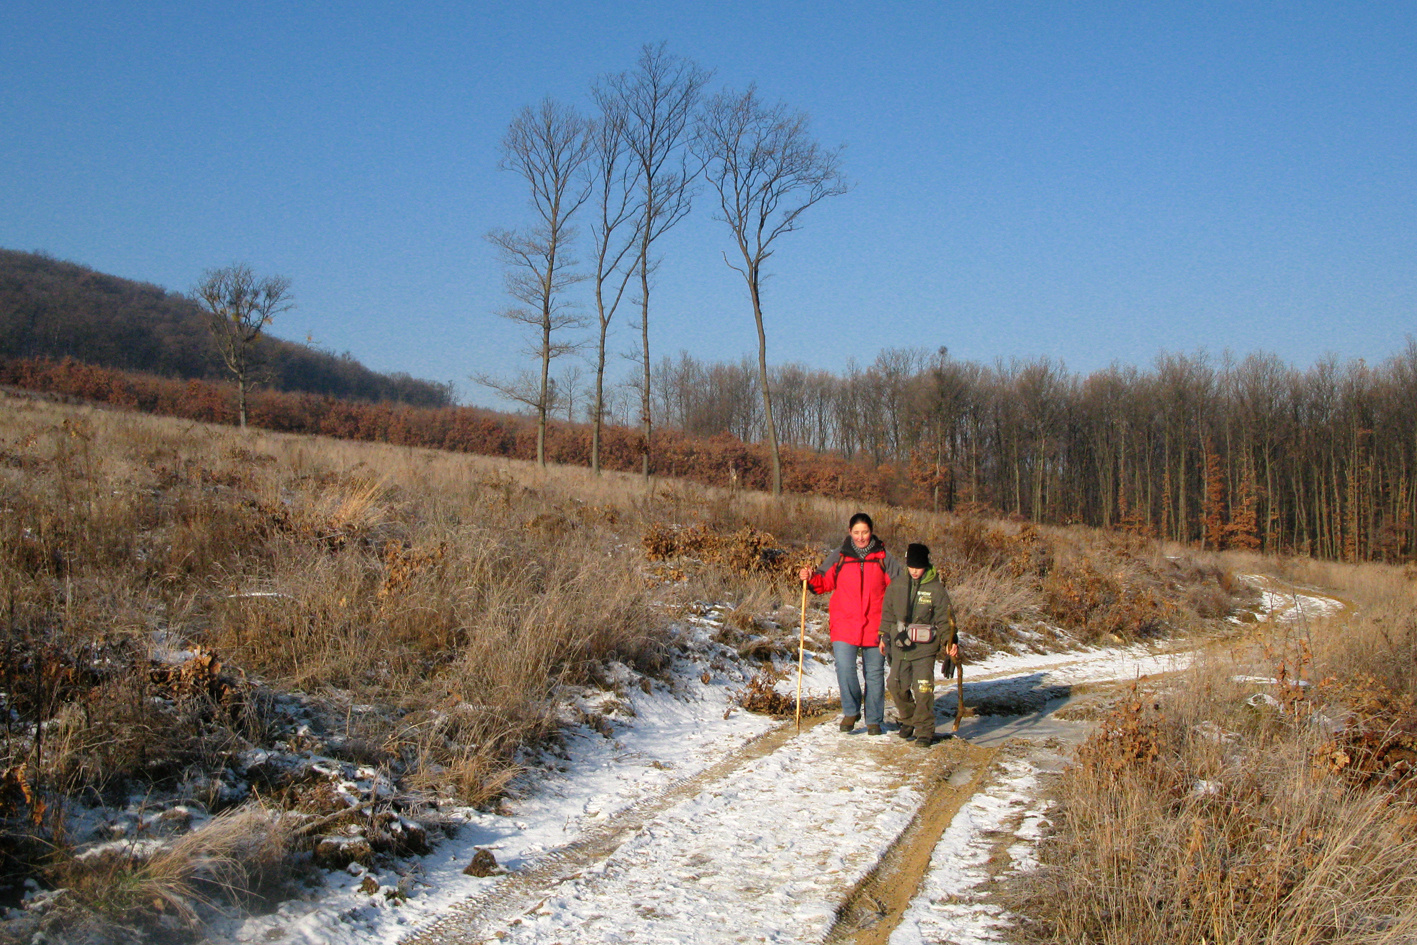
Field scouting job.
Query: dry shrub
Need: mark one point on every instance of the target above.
(759, 694)
(969, 542)
(1367, 662)
(1096, 604)
(1006, 577)
(1200, 814)
(1377, 746)
(467, 750)
(96, 714)
(990, 604)
(1378, 638)
(746, 550)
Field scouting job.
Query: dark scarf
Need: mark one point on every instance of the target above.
(849, 549)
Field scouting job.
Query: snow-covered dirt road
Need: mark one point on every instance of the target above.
(686, 819)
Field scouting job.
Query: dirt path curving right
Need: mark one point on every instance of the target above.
(824, 837)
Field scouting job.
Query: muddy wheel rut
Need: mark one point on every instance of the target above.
(876, 903)
(943, 777)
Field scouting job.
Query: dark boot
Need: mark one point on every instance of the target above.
(848, 722)
(907, 732)
(924, 741)
(873, 730)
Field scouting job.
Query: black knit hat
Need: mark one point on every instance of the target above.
(917, 556)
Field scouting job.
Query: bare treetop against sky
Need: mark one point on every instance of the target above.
(1093, 182)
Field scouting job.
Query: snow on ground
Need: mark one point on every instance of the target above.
(664, 737)
(1284, 604)
(763, 857)
(952, 904)
(763, 850)
(1074, 667)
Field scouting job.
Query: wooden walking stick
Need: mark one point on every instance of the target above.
(801, 649)
(959, 709)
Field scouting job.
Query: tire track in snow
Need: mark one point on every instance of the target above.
(875, 905)
(469, 920)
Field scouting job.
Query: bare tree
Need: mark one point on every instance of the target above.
(548, 146)
(569, 387)
(767, 170)
(239, 306)
(657, 100)
(615, 176)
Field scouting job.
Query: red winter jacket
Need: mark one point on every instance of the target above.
(858, 580)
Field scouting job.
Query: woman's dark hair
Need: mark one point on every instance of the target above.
(858, 518)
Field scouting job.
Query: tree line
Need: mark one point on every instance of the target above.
(720, 459)
(1226, 453)
(1219, 453)
(55, 309)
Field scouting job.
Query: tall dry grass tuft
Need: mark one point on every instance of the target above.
(1229, 810)
(236, 855)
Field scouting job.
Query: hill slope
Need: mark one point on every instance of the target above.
(55, 309)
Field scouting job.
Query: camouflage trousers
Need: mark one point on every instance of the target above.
(912, 689)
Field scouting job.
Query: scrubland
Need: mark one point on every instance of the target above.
(1266, 795)
(228, 659)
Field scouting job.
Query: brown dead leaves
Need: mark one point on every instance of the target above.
(745, 550)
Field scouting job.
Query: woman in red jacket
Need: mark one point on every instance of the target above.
(856, 574)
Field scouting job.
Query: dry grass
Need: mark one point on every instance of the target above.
(159, 580)
(235, 855)
(1225, 811)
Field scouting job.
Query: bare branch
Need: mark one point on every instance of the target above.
(654, 105)
(549, 146)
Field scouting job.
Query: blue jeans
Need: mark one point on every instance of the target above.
(849, 680)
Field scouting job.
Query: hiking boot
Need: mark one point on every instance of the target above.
(906, 732)
(848, 722)
(924, 741)
(873, 730)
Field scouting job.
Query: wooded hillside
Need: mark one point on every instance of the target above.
(54, 309)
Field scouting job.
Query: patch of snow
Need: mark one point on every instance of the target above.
(672, 735)
(164, 646)
(952, 905)
(1213, 732)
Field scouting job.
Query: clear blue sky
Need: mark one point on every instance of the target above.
(1093, 182)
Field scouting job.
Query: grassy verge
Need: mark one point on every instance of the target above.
(1224, 809)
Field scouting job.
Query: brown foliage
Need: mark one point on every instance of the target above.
(759, 694)
(745, 550)
(1129, 737)
(1084, 598)
(1377, 746)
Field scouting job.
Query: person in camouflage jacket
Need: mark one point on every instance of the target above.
(919, 601)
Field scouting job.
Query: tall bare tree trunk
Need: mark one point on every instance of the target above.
(646, 415)
(763, 379)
